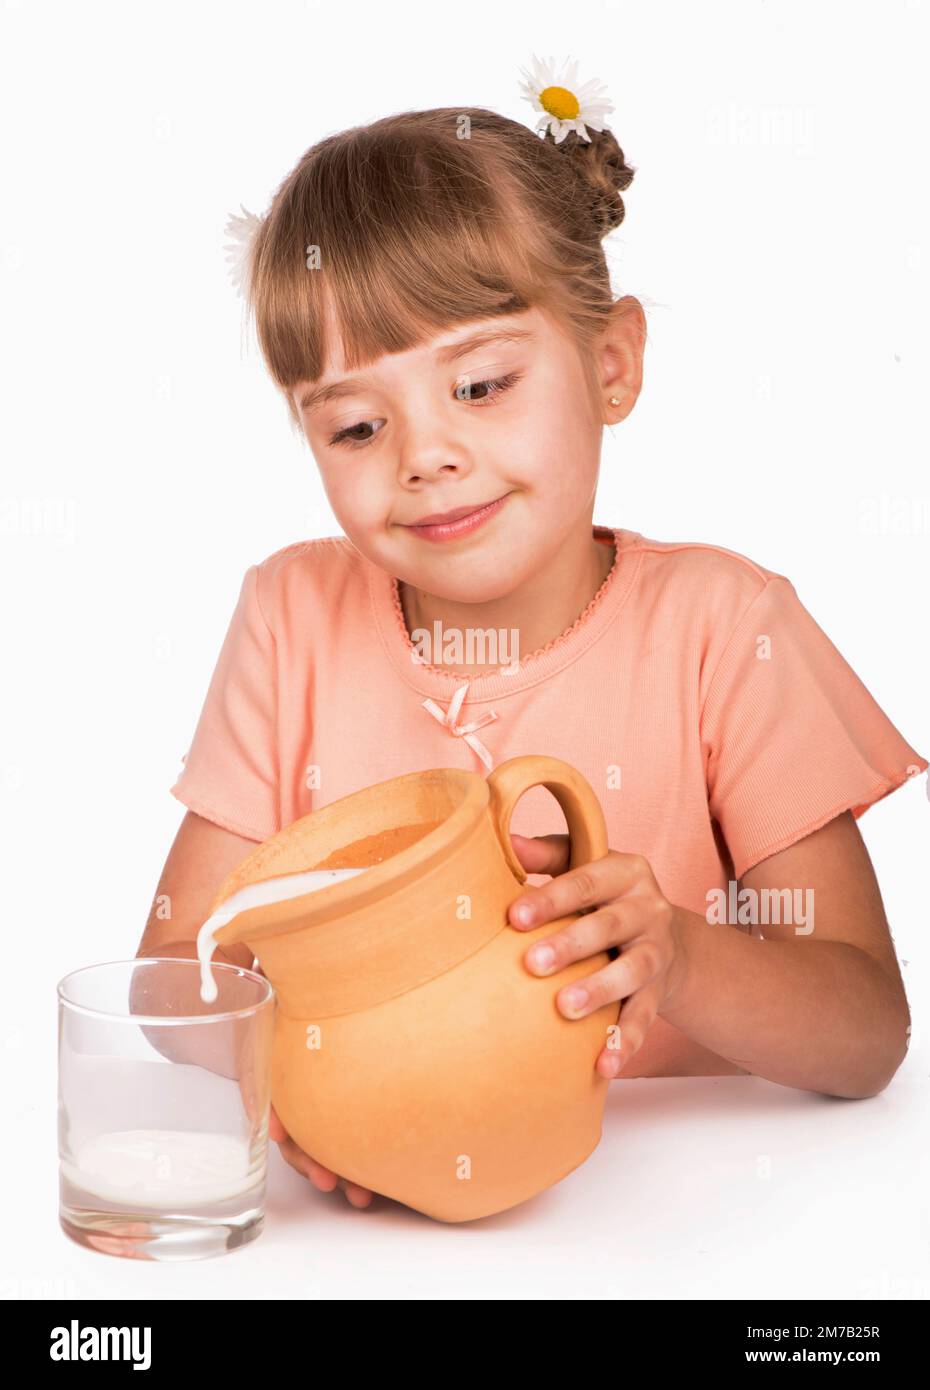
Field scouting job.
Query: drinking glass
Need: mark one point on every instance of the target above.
(163, 1105)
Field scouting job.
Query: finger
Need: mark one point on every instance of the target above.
(612, 925)
(637, 1016)
(638, 965)
(542, 854)
(587, 886)
(323, 1178)
(127, 1243)
(357, 1196)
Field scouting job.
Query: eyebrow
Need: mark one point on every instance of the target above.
(319, 395)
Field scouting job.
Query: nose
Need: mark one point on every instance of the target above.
(423, 472)
(429, 452)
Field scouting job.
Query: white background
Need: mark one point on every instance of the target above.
(777, 235)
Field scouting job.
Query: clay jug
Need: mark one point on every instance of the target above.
(414, 1053)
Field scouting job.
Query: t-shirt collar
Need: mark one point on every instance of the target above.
(435, 680)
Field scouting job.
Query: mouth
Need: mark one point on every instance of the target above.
(442, 526)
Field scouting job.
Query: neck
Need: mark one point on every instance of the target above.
(539, 610)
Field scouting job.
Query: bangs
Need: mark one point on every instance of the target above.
(392, 232)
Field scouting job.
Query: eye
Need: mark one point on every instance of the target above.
(348, 436)
(493, 388)
(466, 391)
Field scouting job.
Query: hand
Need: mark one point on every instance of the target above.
(632, 915)
(321, 1177)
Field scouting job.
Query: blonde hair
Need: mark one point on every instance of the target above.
(430, 218)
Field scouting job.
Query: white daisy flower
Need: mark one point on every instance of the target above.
(565, 105)
(242, 230)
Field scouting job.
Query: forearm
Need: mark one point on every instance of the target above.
(818, 1015)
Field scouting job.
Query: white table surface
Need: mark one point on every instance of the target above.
(702, 1187)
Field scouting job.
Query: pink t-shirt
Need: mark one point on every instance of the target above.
(713, 717)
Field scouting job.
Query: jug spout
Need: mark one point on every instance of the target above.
(220, 932)
(257, 912)
(234, 918)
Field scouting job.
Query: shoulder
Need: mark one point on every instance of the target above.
(309, 577)
(707, 584)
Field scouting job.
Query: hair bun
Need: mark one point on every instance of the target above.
(603, 169)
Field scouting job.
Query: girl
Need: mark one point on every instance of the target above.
(432, 300)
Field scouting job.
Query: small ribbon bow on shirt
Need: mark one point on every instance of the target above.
(449, 717)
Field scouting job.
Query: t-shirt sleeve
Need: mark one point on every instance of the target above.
(230, 772)
(790, 735)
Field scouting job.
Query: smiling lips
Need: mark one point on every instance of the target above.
(443, 526)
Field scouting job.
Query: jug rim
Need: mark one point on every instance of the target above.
(307, 909)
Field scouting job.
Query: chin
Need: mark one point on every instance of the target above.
(483, 582)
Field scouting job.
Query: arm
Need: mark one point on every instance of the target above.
(822, 1011)
(202, 855)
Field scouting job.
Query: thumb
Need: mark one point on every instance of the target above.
(542, 854)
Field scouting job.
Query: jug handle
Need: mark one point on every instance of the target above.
(587, 827)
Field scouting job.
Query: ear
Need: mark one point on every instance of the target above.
(621, 358)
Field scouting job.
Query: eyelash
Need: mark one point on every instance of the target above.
(496, 387)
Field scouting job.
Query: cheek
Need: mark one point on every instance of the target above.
(558, 443)
(353, 491)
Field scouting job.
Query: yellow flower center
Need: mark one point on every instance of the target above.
(559, 103)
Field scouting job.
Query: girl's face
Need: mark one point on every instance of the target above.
(493, 411)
